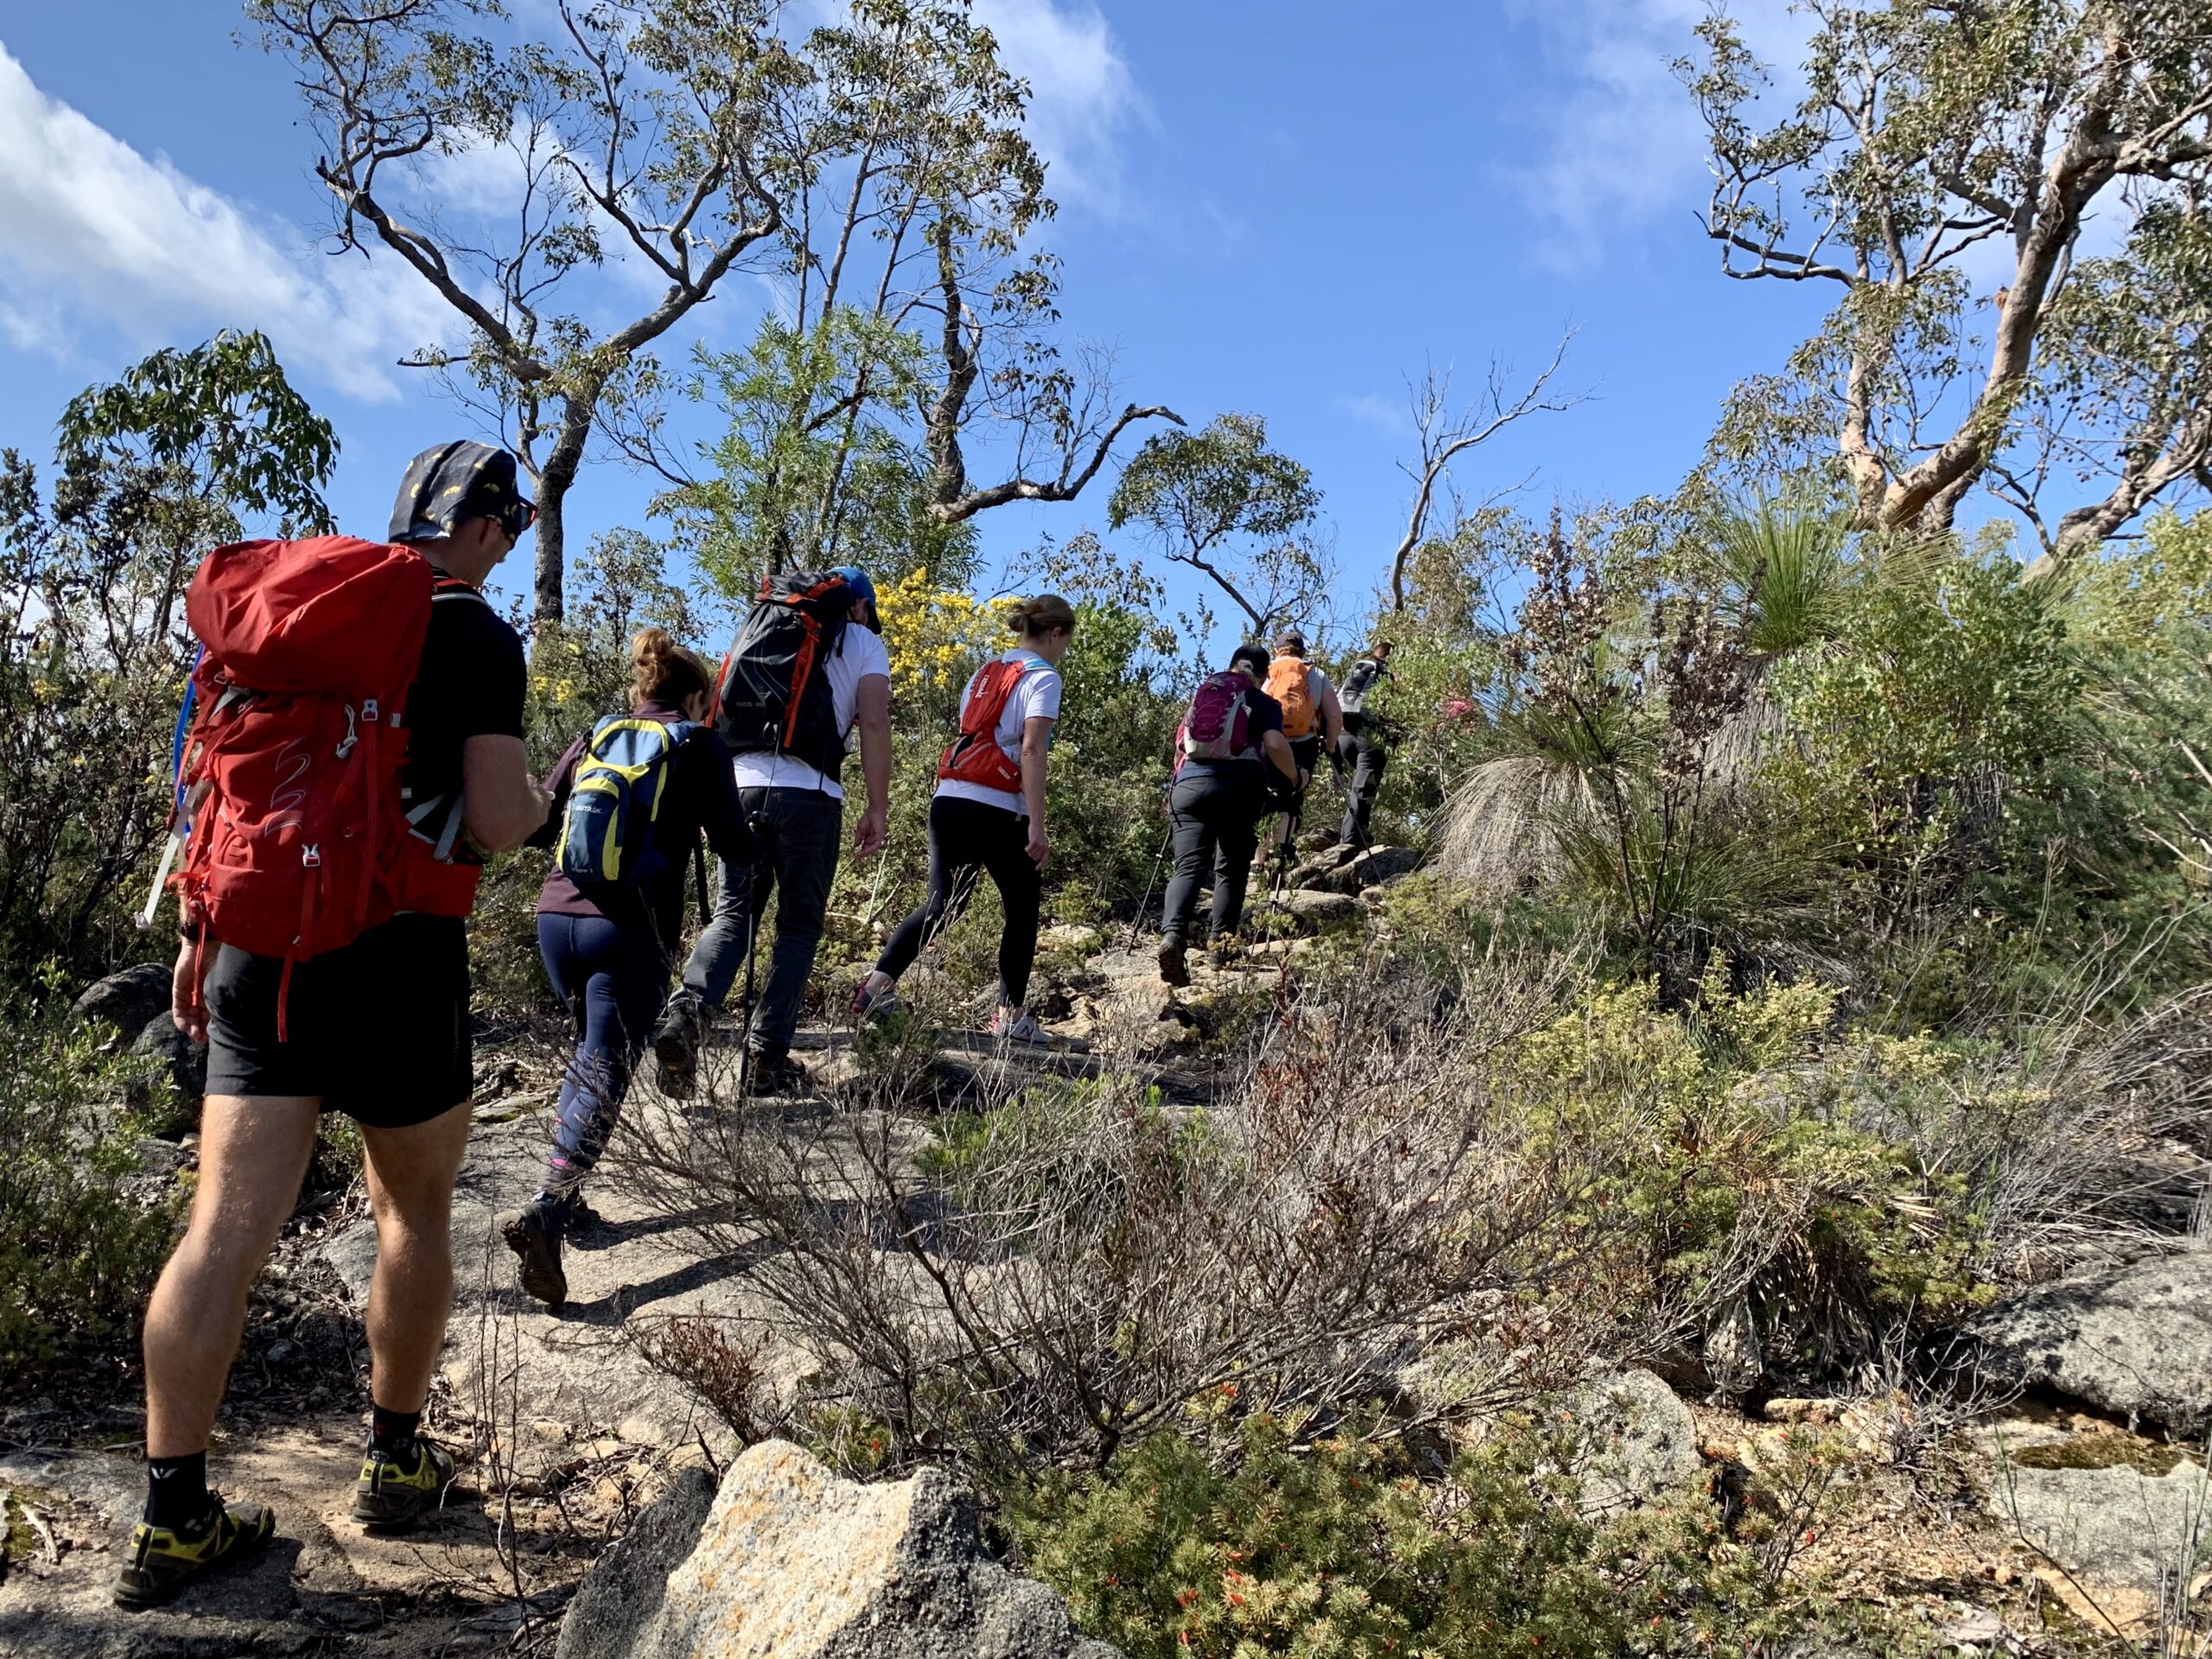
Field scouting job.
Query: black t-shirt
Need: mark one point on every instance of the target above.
(472, 684)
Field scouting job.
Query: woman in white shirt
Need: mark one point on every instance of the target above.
(988, 814)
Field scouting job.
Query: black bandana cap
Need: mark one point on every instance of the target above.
(456, 480)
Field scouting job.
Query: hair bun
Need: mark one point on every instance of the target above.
(1040, 614)
(664, 672)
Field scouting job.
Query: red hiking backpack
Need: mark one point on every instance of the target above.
(1218, 724)
(298, 841)
(974, 756)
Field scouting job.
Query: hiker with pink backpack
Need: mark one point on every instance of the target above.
(1233, 766)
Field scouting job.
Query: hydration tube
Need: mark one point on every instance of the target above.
(178, 828)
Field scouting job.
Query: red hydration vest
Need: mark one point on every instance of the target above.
(299, 842)
(974, 756)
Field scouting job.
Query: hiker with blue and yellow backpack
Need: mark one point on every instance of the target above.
(631, 799)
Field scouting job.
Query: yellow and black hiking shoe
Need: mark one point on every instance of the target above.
(394, 1493)
(161, 1561)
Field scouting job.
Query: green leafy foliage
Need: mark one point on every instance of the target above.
(177, 455)
(79, 1248)
(1333, 1549)
(1222, 502)
(818, 467)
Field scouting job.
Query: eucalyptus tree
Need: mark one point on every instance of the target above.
(1221, 502)
(1938, 143)
(654, 132)
(916, 322)
(875, 164)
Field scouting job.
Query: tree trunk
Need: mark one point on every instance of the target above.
(548, 606)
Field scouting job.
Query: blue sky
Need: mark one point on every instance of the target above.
(1283, 207)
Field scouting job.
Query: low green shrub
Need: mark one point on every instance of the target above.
(1775, 1159)
(79, 1250)
(1336, 1549)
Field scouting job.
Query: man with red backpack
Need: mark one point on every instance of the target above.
(358, 747)
(807, 667)
(1230, 756)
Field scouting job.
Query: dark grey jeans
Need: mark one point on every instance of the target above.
(1360, 760)
(796, 834)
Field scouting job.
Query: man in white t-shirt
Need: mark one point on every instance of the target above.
(796, 810)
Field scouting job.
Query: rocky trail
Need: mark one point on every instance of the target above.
(2070, 1489)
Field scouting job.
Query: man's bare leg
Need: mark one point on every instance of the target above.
(411, 1174)
(253, 1154)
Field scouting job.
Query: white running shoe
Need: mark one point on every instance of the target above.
(1014, 1026)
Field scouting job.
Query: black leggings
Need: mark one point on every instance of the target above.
(967, 837)
(1214, 812)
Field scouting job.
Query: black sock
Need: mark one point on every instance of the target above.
(176, 1490)
(392, 1432)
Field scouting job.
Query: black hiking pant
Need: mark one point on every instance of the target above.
(966, 839)
(1360, 759)
(1214, 812)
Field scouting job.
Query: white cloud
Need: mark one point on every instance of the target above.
(99, 234)
(1622, 146)
(1388, 415)
(1081, 95)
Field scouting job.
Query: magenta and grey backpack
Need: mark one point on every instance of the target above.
(1217, 726)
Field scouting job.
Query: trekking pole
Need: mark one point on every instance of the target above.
(1293, 816)
(752, 941)
(1145, 903)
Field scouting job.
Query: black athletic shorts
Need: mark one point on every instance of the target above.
(378, 1030)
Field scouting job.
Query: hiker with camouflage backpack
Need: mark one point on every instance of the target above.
(807, 667)
(630, 798)
(1232, 763)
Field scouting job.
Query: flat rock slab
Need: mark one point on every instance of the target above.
(321, 1582)
(581, 1366)
(2135, 1341)
(790, 1562)
(2118, 1515)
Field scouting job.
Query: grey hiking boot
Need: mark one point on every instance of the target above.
(676, 1046)
(533, 1233)
(872, 1001)
(771, 1076)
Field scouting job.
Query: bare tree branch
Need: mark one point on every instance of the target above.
(1444, 437)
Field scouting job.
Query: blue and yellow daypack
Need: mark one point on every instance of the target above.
(606, 835)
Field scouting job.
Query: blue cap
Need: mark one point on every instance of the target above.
(856, 579)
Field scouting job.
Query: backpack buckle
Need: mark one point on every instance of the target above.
(311, 857)
(368, 708)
